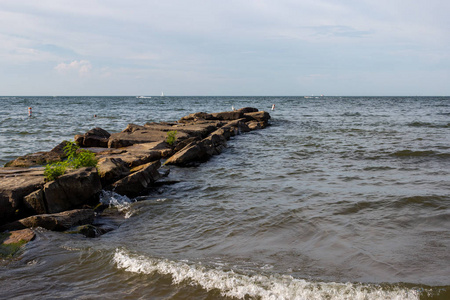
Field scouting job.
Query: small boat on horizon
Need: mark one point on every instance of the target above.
(143, 97)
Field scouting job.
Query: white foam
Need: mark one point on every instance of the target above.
(122, 203)
(259, 286)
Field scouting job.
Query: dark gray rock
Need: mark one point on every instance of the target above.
(96, 137)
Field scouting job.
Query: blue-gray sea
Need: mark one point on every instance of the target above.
(340, 198)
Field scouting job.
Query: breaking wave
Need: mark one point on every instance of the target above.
(121, 203)
(259, 286)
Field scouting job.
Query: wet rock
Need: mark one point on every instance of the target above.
(16, 236)
(56, 222)
(96, 137)
(88, 230)
(11, 242)
(92, 231)
(139, 180)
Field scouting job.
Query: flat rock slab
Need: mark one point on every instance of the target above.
(23, 235)
(57, 222)
(137, 154)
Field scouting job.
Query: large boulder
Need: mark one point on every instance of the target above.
(248, 110)
(260, 116)
(194, 152)
(96, 137)
(111, 169)
(199, 151)
(72, 190)
(57, 222)
(14, 186)
(140, 180)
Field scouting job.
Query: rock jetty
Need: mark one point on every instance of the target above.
(129, 163)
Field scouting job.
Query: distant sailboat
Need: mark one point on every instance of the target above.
(162, 94)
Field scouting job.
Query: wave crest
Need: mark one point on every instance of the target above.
(259, 286)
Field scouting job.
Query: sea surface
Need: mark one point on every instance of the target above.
(340, 198)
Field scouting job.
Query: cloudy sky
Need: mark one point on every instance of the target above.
(232, 47)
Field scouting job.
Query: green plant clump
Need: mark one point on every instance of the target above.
(75, 159)
(54, 170)
(171, 137)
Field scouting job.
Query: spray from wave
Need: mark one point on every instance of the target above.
(233, 284)
(121, 203)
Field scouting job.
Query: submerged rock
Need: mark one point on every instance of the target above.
(11, 242)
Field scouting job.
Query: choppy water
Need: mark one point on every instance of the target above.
(341, 198)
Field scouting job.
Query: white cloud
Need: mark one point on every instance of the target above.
(82, 67)
(250, 40)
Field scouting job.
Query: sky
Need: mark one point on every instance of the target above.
(227, 48)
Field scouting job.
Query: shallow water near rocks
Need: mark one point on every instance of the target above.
(340, 198)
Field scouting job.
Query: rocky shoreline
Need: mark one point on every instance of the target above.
(130, 163)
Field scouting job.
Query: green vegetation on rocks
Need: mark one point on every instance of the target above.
(171, 137)
(76, 158)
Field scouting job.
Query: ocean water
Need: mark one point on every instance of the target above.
(340, 198)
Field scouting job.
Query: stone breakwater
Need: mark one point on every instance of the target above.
(129, 163)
